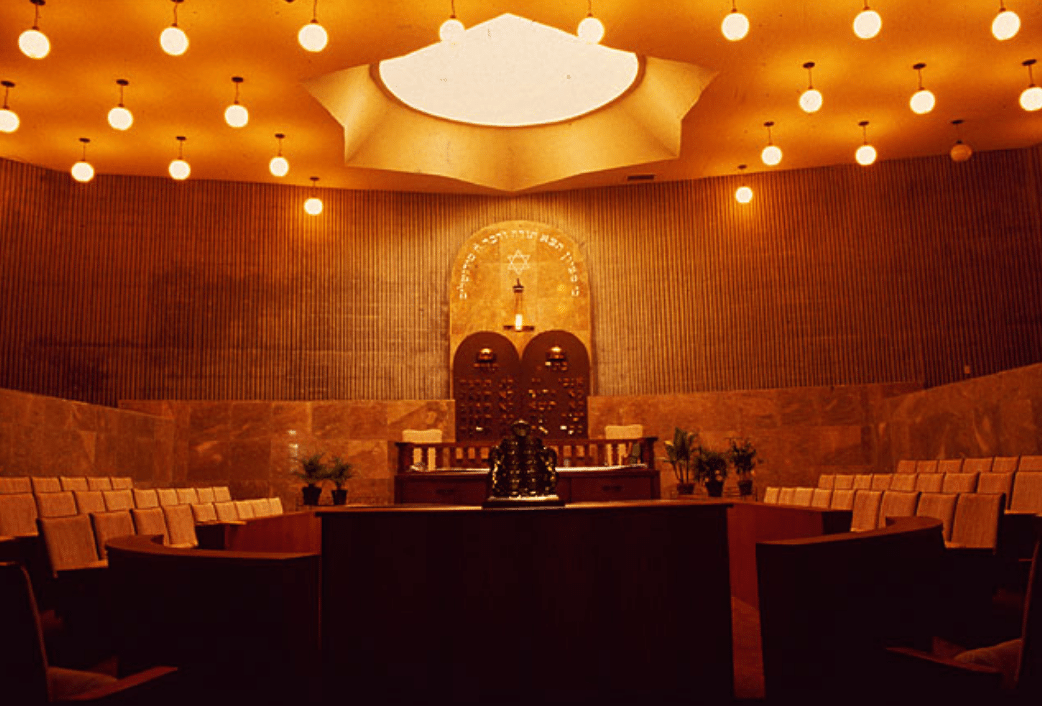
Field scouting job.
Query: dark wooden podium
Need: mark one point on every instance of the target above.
(590, 603)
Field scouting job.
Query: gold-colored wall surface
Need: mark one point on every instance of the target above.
(143, 288)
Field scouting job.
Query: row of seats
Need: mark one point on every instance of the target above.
(1022, 488)
(996, 464)
(27, 484)
(969, 519)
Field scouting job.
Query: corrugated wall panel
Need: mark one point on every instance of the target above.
(132, 287)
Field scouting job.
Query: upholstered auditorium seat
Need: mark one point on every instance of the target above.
(842, 499)
(260, 507)
(150, 521)
(802, 496)
(827, 481)
(15, 484)
(1030, 463)
(102, 483)
(122, 482)
(821, 498)
(61, 504)
(1027, 491)
(976, 521)
(167, 496)
(46, 485)
(145, 497)
(77, 483)
(950, 465)
(843, 482)
(245, 509)
(118, 499)
(771, 495)
(881, 481)
(204, 512)
(940, 506)
(88, 501)
(275, 505)
(928, 466)
(69, 542)
(226, 511)
(1005, 464)
(995, 483)
(18, 515)
(186, 496)
(897, 503)
(903, 481)
(862, 481)
(221, 494)
(108, 525)
(959, 483)
(180, 524)
(977, 465)
(866, 510)
(786, 496)
(905, 466)
(929, 482)
(205, 495)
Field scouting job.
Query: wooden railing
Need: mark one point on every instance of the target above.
(473, 455)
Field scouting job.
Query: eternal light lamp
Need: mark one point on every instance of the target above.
(519, 324)
(866, 153)
(591, 30)
(451, 29)
(867, 23)
(736, 25)
(922, 101)
(1031, 97)
(82, 171)
(179, 168)
(278, 165)
(119, 117)
(743, 194)
(1006, 24)
(960, 151)
(313, 36)
(771, 154)
(235, 114)
(173, 39)
(34, 43)
(9, 121)
(810, 100)
(313, 206)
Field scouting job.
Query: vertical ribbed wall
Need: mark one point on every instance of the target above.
(142, 288)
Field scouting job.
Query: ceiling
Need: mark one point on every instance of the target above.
(67, 95)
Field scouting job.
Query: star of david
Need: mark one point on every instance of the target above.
(518, 262)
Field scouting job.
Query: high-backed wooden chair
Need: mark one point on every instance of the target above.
(940, 506)
(903, 481)
(108, 525)
(18, 515)
(822, 498)
(46, 485)
(15, 484)
(843, 481)
(827, 481)
(118, 499)
(421, 461)
(959, 483)
(866, 510)
(99, 483)
(881, 481)
(617, 453)
(145, 497)
(771, 495)
(929, 482)
(74, 484)
(88, 501)
(897, 503)
(60, 504)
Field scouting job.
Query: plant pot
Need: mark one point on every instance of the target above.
(685, 488)
(715, 488)
(745, 487)
(340, 496)
(311, 494)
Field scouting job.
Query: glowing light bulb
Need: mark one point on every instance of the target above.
(313, 206)
(1005, 25)
(867, 24)
(519, 322)
(922, 101)
(313, 36)
(279, 166)
(811, 100)
(120, 118)
(1031, 99)
(960, 152)
(82, 171)
(735, 26)
(179, 169)
(451, 30)
(591, 30)
(743, 194)
(236, 115)
(174, 41)
(34, 44)
(771, 155)
(865, 155)
(9, 121)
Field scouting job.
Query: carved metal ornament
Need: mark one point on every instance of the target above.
(522, 472)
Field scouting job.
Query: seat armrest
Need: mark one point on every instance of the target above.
(148, 686)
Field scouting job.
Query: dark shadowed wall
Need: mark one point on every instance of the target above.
(143, 288)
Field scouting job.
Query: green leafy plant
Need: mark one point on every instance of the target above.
(743, 457)
(312, 470)
(679, 453)
(339, 472)
(709, 465)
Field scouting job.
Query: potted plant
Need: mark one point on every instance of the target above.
(710, 470)
(313, 472)
(679, 454)
(743, 458)
(339, 472)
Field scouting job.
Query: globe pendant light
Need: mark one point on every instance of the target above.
(1031, 97)
(313, 206)
(179, 168)
(1006, 24)
(771, 154)
(451, 29)
(960, 151)
(173, 39)
(736, 25)
(313, 36)
(591, 30)
(867, 23)
(811, 99)
(236, 115)
(278, 165)
(743, 194)
(34, 43)
(9, 121)
(866, 153)
(922, 101)
(82, 171)
(119, 117)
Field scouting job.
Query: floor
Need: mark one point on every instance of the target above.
(748, 657)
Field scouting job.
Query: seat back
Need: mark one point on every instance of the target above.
(995, 483)
(862, 481)
(121, 482)
(1027, 491)
(260, 507)
(866, 510)
(275, 504)
(827, 481)
(221, 494)
(842, 499)
(960, 483)
(423, 436)
(118, 499)
(929, 482)
(802, 496)
(881, 481)
(88, 501)
(786, 496)
(102, 483)
(204, 512)
(145, 497)
(19, 484)
(770, 496)
(69, 542)
(150, 521)
(108, 525)
(245, 509)
(903, 481)
(226, 511)
(897, 503)
(46, 485)
(187, 496)
(950, 465)
(905, 466)
(77, 483)
(977, 465)
(976, 521)
(822, 498)
(205, 495)
(23, 660)
(1030, 463)
(60, 504)
(1005, 464)
(843, 482)
(930, 466)
(617, 453)
(940, 506)
(167, 496)
(180, 523)
(18, 515)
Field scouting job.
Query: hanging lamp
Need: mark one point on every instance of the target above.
(451, 29)
(1030, 97)
(867, 23)
(960, 151)
(772, 154)
(9, 121)
(279, 165)
(313, 36)
(34, 43)
(179, 169)
(173, 40)
(313, 205)
(743, 194)
(235, 114)
(591, 29)
(119, 117)
(811, 99)
(82, 171)
(735, 25)
(1006, 24)
(866, 153)
(922, 101)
